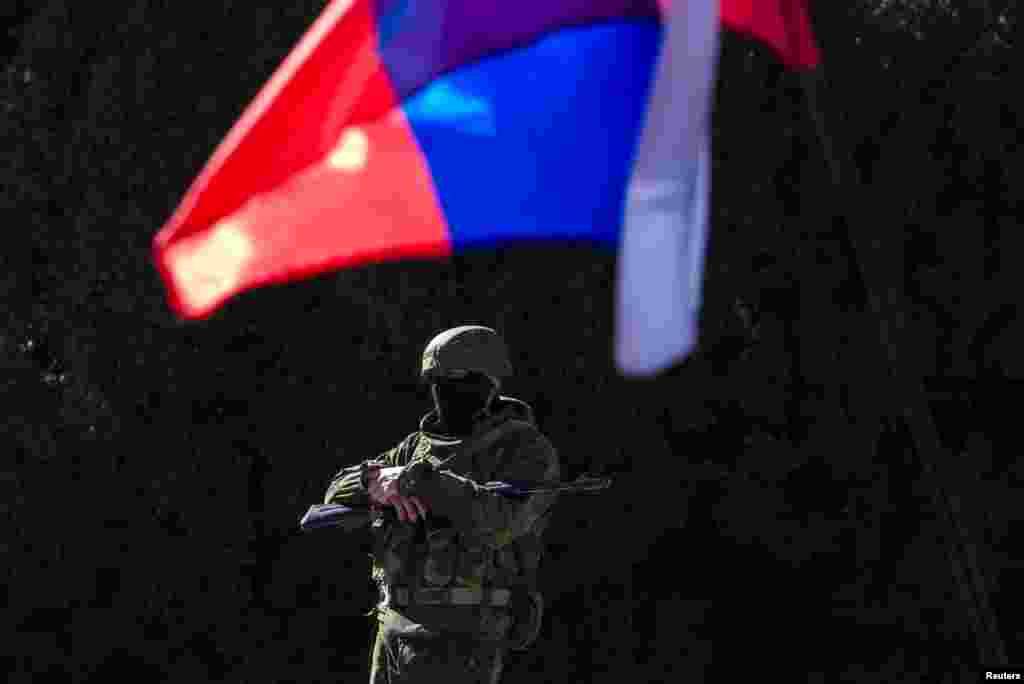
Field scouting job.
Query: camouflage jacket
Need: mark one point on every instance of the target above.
(470, 538)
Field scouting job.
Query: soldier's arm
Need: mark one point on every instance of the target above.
(349, 486)
(494, 519)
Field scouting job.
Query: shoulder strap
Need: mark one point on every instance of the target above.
(407, 448)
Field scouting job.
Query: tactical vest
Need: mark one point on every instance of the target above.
(436, 555)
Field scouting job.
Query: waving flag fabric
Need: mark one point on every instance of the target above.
(783, 25)
(419, 128)
(661, 254)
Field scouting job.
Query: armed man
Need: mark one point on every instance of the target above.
(456, 564)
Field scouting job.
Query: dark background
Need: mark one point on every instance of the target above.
(769, 510)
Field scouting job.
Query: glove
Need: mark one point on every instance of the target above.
(364, 471)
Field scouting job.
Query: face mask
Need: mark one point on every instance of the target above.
(458, 402)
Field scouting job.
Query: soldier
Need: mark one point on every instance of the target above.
(456, 565)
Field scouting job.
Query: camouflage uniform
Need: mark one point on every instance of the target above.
(459, 588)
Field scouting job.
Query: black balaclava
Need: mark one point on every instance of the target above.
(459, 402)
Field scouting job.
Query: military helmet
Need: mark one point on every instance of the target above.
(467, 349)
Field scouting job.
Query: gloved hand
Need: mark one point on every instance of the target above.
(384, 491)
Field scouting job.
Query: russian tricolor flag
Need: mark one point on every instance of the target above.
(419, 128)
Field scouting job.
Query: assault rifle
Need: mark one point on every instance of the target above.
(351, 518)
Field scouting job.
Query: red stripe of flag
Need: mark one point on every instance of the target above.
(784, 25)
(280, 201)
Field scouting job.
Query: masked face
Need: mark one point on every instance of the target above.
(458, 402)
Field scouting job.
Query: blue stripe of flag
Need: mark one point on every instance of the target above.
(538, 143)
